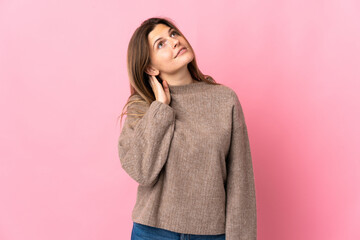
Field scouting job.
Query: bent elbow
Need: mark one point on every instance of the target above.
(148, 182)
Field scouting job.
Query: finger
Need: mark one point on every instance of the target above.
(167, 90)
(154, 85)
(152, 81)
(151, 78)
(156, 81)
(166, 86)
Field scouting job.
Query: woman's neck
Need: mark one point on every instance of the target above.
(180, 78)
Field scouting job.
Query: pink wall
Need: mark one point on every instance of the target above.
(295, 67)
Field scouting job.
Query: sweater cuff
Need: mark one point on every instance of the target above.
(162, 111)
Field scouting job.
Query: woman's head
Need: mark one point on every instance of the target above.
(144, 58)
(164, 44)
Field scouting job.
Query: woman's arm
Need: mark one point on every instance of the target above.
(144, 146)
(241, 220)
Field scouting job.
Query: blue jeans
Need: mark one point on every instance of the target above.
(144, 232)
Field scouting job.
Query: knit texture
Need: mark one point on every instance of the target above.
(192, 162)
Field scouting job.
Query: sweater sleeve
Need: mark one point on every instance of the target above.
(241, 219)
(143, 147)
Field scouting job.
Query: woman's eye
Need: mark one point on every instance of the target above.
(173, 32)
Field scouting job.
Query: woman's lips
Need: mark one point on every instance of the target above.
(181, 51)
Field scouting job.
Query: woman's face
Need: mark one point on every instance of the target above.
(165, 44)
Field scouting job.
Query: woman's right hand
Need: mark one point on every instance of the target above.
(161, 91)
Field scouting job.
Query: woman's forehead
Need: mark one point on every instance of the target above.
(160, 30)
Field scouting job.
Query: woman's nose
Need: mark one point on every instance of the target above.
(174, 42)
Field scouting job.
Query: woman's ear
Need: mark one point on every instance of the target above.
(152, 71)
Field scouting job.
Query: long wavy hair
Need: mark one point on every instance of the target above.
(138, 59)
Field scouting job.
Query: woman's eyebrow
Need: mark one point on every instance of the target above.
(161, 37)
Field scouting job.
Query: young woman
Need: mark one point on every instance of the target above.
(185, 142)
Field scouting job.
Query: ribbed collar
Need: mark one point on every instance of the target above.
(187, 88)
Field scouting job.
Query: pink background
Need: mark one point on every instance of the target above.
(295, 67)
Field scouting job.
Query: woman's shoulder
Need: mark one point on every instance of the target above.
(226, 92)
(136, 104)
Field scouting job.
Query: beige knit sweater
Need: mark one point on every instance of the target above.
(192, 162)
